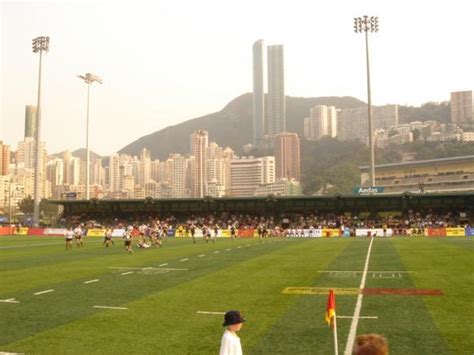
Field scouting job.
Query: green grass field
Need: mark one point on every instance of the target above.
(164, 289)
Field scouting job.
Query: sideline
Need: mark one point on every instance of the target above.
(355, 319)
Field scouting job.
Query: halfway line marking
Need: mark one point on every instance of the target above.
(41, 292)
(91, 281)
(107, 307)
(355, 320)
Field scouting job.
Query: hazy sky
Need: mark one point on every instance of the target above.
(164, 62)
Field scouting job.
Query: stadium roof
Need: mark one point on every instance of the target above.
(459, 159)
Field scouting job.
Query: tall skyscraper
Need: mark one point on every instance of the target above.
(4, 158)
(258, 93)
(30, 121)
(287, 156)
(199, 143)
(276, 109)
(462, 107)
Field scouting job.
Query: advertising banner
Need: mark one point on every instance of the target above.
(304, 233)
(181, 233)
(469, 232)
(225, 233)
(373, 232)
(118, 232)
(36, 231)
(95, 232)
(347, 232)
(455, 232)
(6, 230)
(55, 231)
(245, 233)
(330, 232)
(436, 232)
(20, 231)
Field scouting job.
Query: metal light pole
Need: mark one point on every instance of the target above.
(40, 44)
(88, 78)
(368, 24)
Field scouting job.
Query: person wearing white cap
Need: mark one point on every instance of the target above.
(230, 343)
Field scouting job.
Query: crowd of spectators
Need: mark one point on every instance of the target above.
(400, 223)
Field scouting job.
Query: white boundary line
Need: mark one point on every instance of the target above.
(10, 300)
(41, 292)
(205, 312)
(228, 249)
(200, 256)
(127, 273)
(107, 307)
(185, 259)
(401, 272)
(91, 281)
(163, 264)
(355, 319)
(217, 252)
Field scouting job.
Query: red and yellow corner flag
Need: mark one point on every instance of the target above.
(331, 307)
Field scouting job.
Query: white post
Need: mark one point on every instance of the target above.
(336, 350)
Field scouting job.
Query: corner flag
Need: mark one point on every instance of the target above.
(330, 308)
(331, 315)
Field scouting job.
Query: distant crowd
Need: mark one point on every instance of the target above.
(278, 225)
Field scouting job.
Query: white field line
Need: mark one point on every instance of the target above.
(240, 246)
(7, 353)
(41, 292)
(355, 319)
(10, 300)
(217, 252)
(127, 273)
(361, 317)
(107, 307)
(144, 268)
(228, 249)
(163, 264)
(185, 259)
(200, 256)
(91, 281)
(205, 312)
(247, 245)
(401, 272)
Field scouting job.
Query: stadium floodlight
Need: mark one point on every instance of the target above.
(89, 79)
(40, 44)
(368, 24)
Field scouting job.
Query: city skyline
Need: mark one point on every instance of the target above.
(151, 81)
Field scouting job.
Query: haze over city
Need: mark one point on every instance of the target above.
(166, 62)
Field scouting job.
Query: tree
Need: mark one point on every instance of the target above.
(26, 205)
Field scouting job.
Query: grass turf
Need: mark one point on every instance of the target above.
(161, 315)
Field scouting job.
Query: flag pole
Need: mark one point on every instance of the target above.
(336, 351)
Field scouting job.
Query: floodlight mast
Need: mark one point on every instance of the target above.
(89, 79)
(368, 24)
(40, 44)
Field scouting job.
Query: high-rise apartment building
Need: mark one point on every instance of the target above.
(287, 156)
(258, 93)
(275, 121)
(321, 122)
(30, 121)
(248, 173)
(353, 123)
(462, 108)
(199, 143)
(177, 166)
(4, 158)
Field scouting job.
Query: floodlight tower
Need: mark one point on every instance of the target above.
(89, 79)
(368, 24)
(40, 44)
